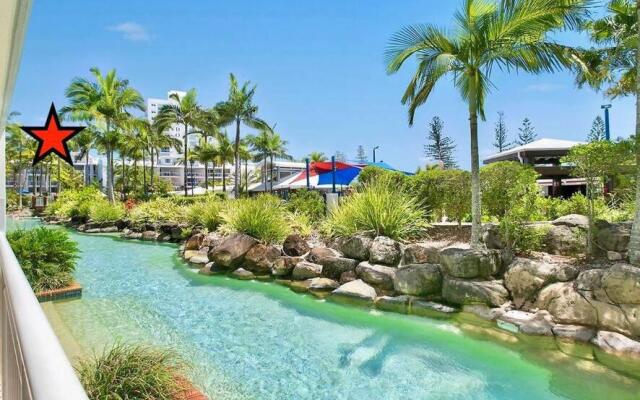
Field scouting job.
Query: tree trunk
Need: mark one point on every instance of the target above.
(151, 173)
(144, 175)
(59, 178)
(236, 161)
(634, 242)
(246, 176)
(271, 174)
(186, 154)
(224, 179)
(476, 196)
(206, 164)
(87, 169)
(110, 194)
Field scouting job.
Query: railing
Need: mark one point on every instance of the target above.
(34, 366)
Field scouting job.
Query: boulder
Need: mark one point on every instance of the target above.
(470, 263)
(348, 277)
(431, 309)
(572, 221)
(284, 265)
(460, 291)
(565, 240)
(525, 277)
(539, 323)
(189, 253)
(260, 258)
(614, 256)
(298, 286)
(211, 269)
(109, 229)
(491, 237)
(306, 270)
(92, 230)
(322, 284)
(621, 283)
(231, 251)
(377, 275)
(613, 237)
(385, 251)
(578, 333)
(212, 240)
(199, 258)
(421, 253)
(354, 291)
(399, 304)
(611, 317)
(614, 342)
(418, 279)
(483, 311)
(317, 254)
(356, 247)
(194, 242)
(243, 274)
(295, 246)
(566, 305)
(150, 235)
(333, 267)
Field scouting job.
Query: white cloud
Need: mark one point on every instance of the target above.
(131, 31)
(543, 87)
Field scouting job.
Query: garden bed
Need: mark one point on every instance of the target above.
(72, 291)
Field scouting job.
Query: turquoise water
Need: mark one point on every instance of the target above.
(261, 341)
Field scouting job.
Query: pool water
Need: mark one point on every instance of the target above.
(257, 340)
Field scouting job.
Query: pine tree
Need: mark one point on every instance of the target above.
(501, 142)
(340, 156)
(439, 147)
(361, 155)
(598, 131)
(527, 133)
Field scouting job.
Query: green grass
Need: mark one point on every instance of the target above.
(263, 217)
(206, 213)
(158, 210)
(103, 211)
(132, 372)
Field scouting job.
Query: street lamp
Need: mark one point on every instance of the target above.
(607, 133)
(374, 153)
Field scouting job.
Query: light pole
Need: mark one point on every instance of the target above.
(374, 153)
(607, 133)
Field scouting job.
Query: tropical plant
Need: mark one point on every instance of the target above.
(105, 103)
(103, 211)
(223, 155)
(264, 217)
(504, 184)
(307, 202)
(317, 156)
(509, 35)
(20, 149)
(239, 109)
(378, 207)
(47, 256)
(158, 210)
(206, 213)
(440, 147)
(75, 203)
(83, 143)
(209, 125)
(501, 142)
(125, 371)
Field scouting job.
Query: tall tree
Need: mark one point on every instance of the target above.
(507, 35)
(317, 156)
(598, 131)
(105, 103)
(183, 111)
(224, 154)
(158, 138)
(440, 147)
(361, 155)
(526, 133)
(340, 156)
(501, 141)
(239, 109)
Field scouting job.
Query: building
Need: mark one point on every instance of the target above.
(544, 156)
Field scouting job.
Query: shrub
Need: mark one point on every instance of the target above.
(503, 185)
(371, 174)
(264, 217)
(307, 202)
(206, 213)
(47, 256)
(443, 192)
(75, 203)
(103, 211)
(158, 210)
(132, 372)
(378, 206)
(521, 237)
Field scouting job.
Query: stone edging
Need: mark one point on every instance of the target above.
(72, 291)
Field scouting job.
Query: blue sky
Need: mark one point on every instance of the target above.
(319, 67)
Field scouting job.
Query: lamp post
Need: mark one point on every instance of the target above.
(607, 132)
(374, 153)
(307, 172)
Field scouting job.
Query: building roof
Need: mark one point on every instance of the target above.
(541, 145)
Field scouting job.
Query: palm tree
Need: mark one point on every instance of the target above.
(209, 125)
(205, 153)
(239, 108)
(245, 155)
(83, 143)
(509, 35)
(224, 154)
(158, 138)
(185, 111)
(316, 156)
(106, 101)
(19, 151)
(260, 146)
(276, 149)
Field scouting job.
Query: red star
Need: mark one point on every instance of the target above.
(52, 138)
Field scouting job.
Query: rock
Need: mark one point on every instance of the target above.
(399, 304)
(356, 247)
(348, 276)
(525, 277)
(459, 291)
(295, 246)
(421, 253)
(92, 230)
(322, 284)
(355, 291)
(210, 269)
(614, 342)
(418, 279)
(284, 265)
(572, 221)
(260, 258)
(317, 254)
(565, 240)
(231, 251)
(377, 275)
(199, 258)
(150, 235)
(431, 309)
(385, 251)
(109, 229)
(578, 333)
(539, 323)
(469, 263)
(614, 256)
(483, 311)
(589, 280)
(333, 267)
(621, 283)
(567, 305)
(306, 270)
(194, 242)
(243, 274)
(491, 237)
(189, 253)
(611, 317)
(613, 237)
(212, 240)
